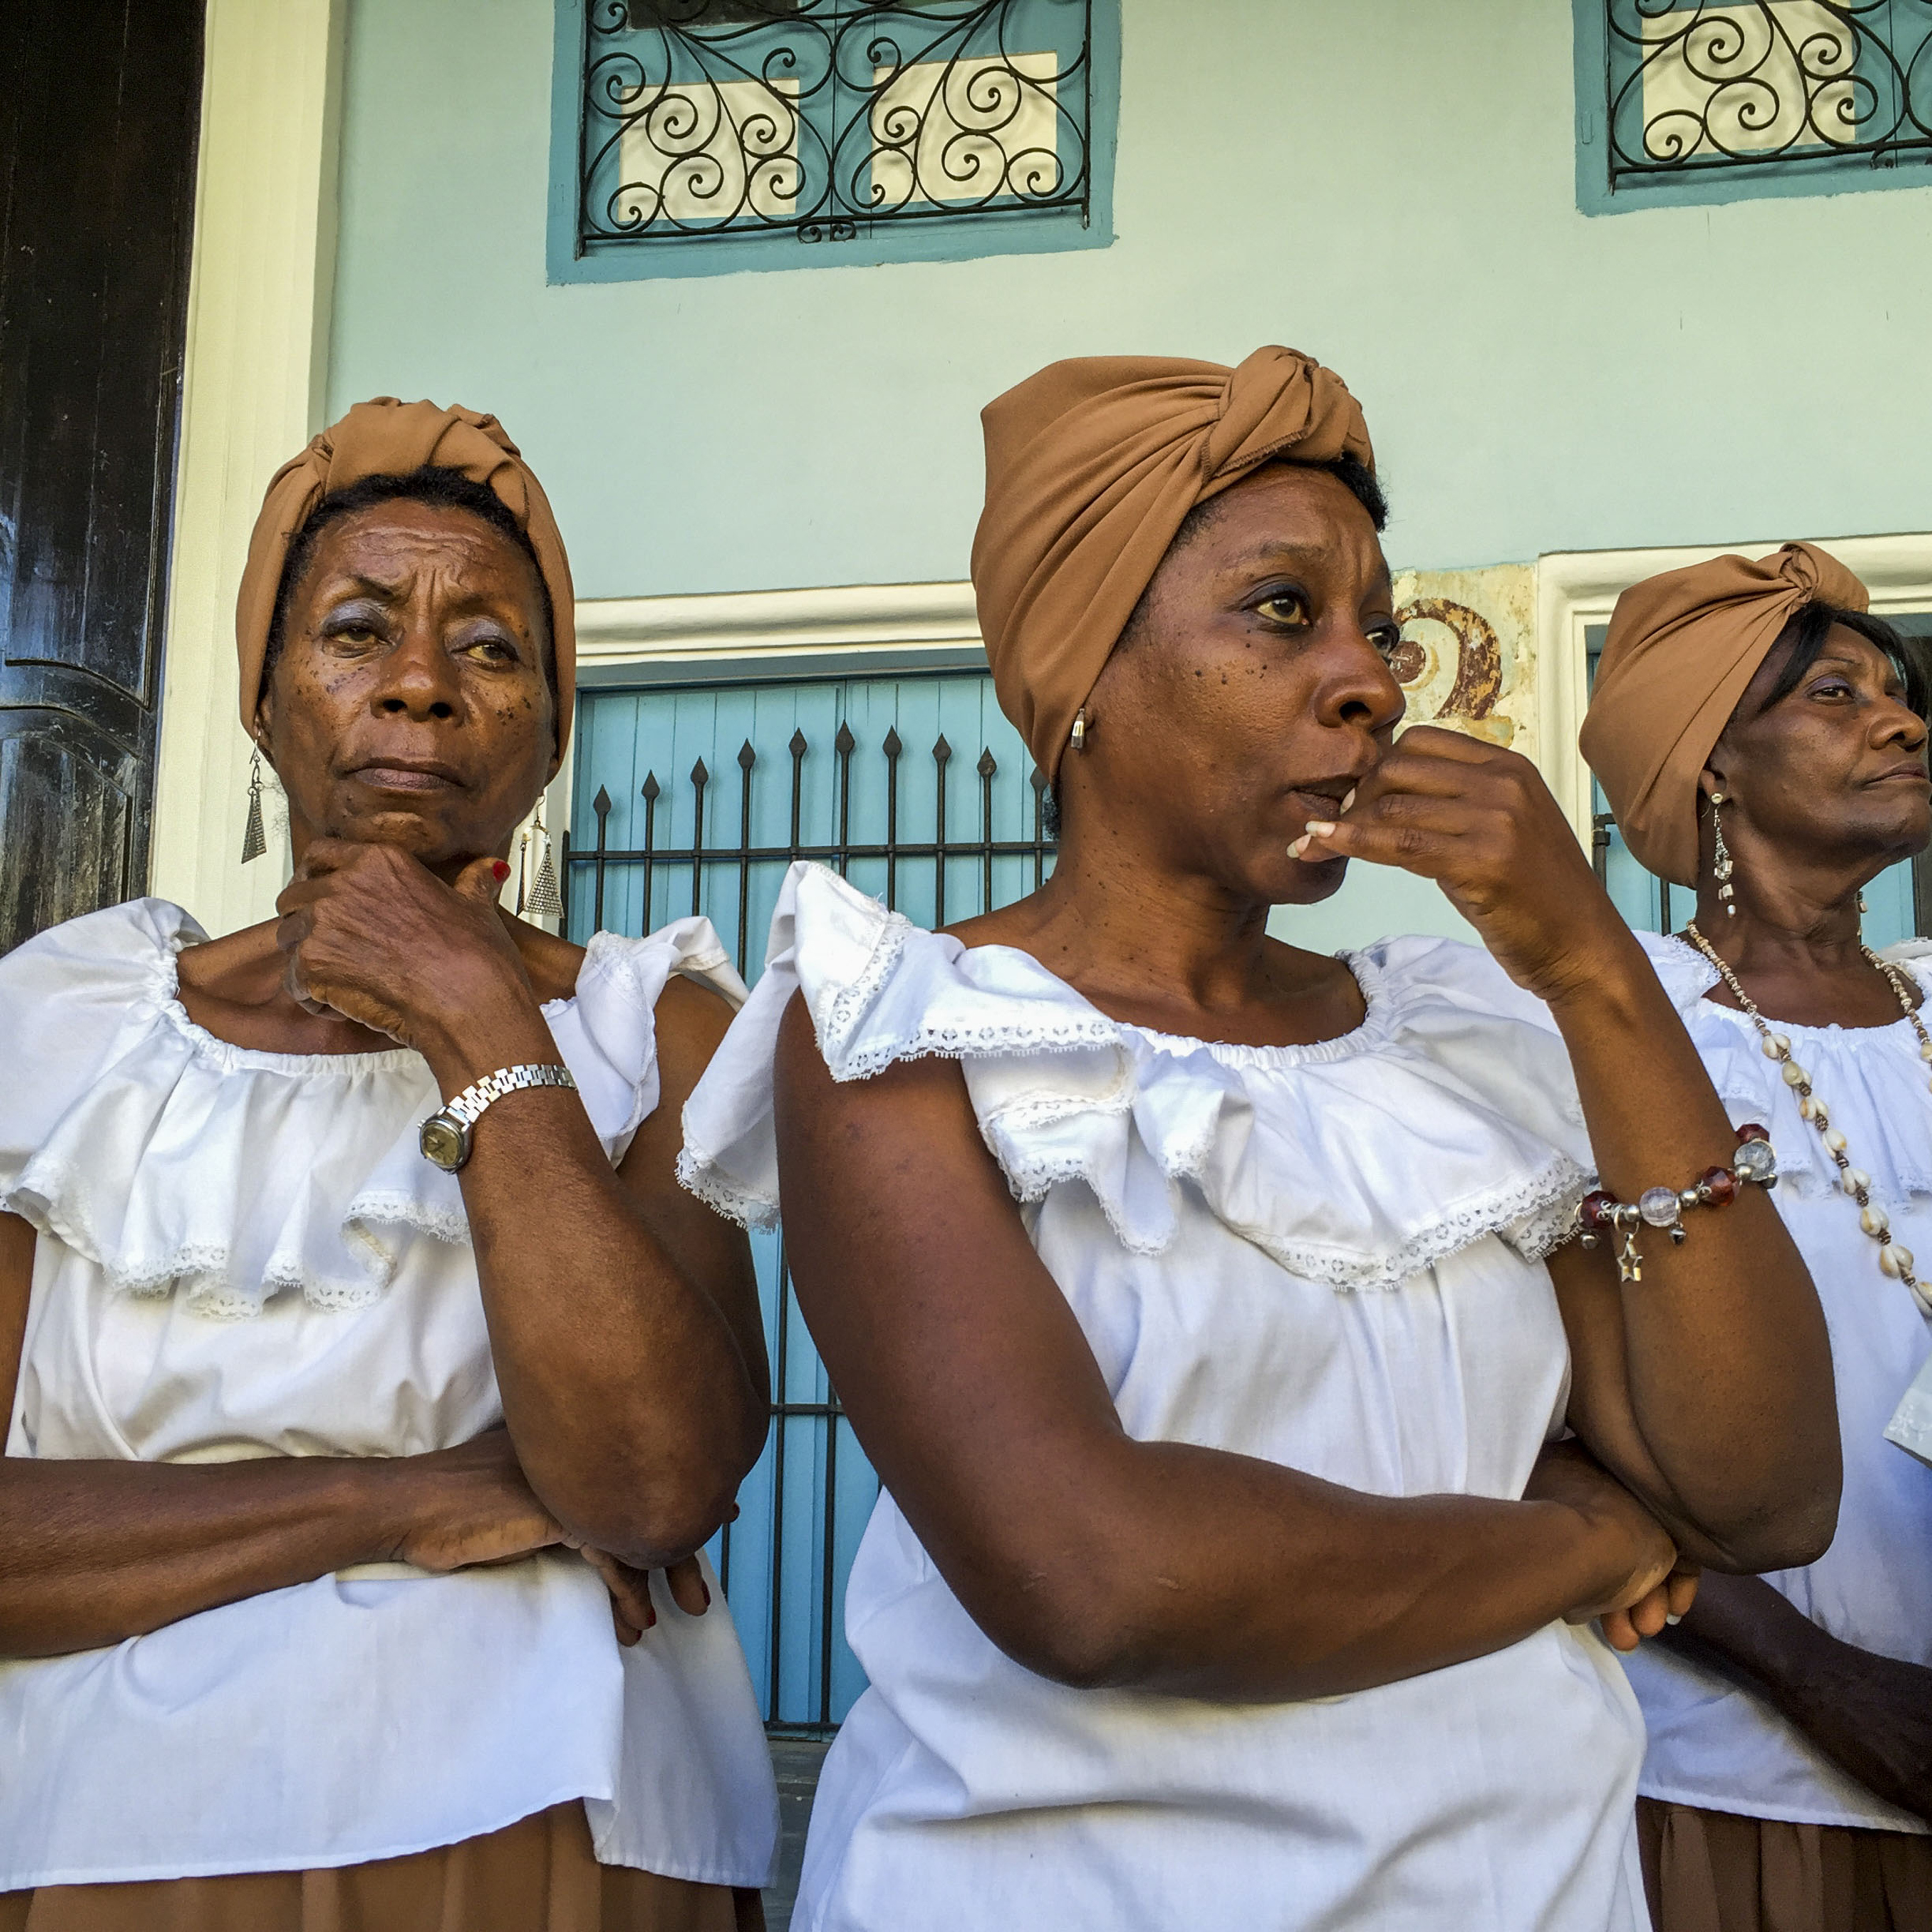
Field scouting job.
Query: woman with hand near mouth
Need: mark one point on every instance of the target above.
(373, 1384)
(1761, 738)
(1201, 1301)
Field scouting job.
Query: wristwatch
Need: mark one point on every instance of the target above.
(445, 1138)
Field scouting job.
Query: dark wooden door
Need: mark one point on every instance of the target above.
(100, 105)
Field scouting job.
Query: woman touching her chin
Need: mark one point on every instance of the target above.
(1761, 738)
(1203, 1302)
(373, 1384)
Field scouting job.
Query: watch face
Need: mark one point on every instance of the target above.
(444, 1142)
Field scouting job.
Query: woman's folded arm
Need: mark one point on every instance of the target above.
(92, 1552)
(1088, 1556)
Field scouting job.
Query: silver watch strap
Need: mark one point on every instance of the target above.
(468, 1106)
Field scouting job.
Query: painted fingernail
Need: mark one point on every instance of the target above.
(501, 869)
(1300, 846)
(1350, 800)
(706, 1588)
(1320, 828)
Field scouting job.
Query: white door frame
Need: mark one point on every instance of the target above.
(259, 291)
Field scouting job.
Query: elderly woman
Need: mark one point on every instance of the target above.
(1762, 738)
(349, 1304)
(1189, 1290)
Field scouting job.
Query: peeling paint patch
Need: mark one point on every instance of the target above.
(1467, 659)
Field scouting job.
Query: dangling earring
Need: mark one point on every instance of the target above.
(254, 839)
(1078, 738)
(545, 901)
(1721, 870)
(1863, 908)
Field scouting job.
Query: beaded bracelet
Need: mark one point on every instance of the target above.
(1602, 1215)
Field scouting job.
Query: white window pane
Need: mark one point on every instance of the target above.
(965, 130)
(1742, 80)
(703, 153)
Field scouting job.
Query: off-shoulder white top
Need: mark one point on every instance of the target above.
(1330, 1256)
(245, 1254)
(1712, 1743)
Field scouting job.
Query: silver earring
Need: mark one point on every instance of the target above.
(1721, 870)
(1077, 737)
(545, 901)
(254, 839)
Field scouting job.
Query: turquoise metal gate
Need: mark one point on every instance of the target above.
(694, 798)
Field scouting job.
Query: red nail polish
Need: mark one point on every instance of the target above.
(501, 869)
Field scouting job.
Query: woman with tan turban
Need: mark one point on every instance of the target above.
(1762, 738)
(348, 1305)
(1194, 1295)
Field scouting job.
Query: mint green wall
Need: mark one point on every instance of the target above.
(1388, 184)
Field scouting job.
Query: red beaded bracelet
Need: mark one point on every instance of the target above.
(1602, 1215)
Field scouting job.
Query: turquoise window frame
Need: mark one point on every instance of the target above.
(971, 236)
(1808, 175)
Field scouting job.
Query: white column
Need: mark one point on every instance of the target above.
(257, 366)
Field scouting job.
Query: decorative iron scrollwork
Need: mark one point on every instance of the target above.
(1701, 89)
(704, 119)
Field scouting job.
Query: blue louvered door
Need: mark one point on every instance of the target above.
(694, 798)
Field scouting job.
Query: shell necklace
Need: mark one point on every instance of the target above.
(1895, 1259)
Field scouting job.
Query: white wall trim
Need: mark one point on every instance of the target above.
(1577, 588)
(259, 291)
(615, 632)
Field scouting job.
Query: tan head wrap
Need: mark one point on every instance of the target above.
(1091, 467)
(1681, 649)
(388, 438)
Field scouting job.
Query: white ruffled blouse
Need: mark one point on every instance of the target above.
(1712, 1743)
(1326, 1256)
(245, 1254)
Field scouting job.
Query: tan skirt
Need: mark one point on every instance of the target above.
(539, 1875)
(1711, 1871)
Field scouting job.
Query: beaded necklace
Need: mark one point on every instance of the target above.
(1895, 1259)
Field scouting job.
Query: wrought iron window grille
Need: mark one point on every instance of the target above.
(702, 121)
(1716, 91)
(710, 862)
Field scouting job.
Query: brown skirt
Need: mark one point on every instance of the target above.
(539, 1875)
(1711, 1871)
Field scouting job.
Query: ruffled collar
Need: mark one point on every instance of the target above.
(179, 1163)
(1443, 1118)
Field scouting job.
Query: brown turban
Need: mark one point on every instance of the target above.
(388, 438)
(1681, 649)
(1091, 467)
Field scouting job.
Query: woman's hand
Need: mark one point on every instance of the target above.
(632, 1609)
(469, 1505)
(1641, 1584)
(370, 932)
(1481, 823)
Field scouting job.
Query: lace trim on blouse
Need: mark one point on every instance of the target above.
(179, 1163)
(1355, 1161)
